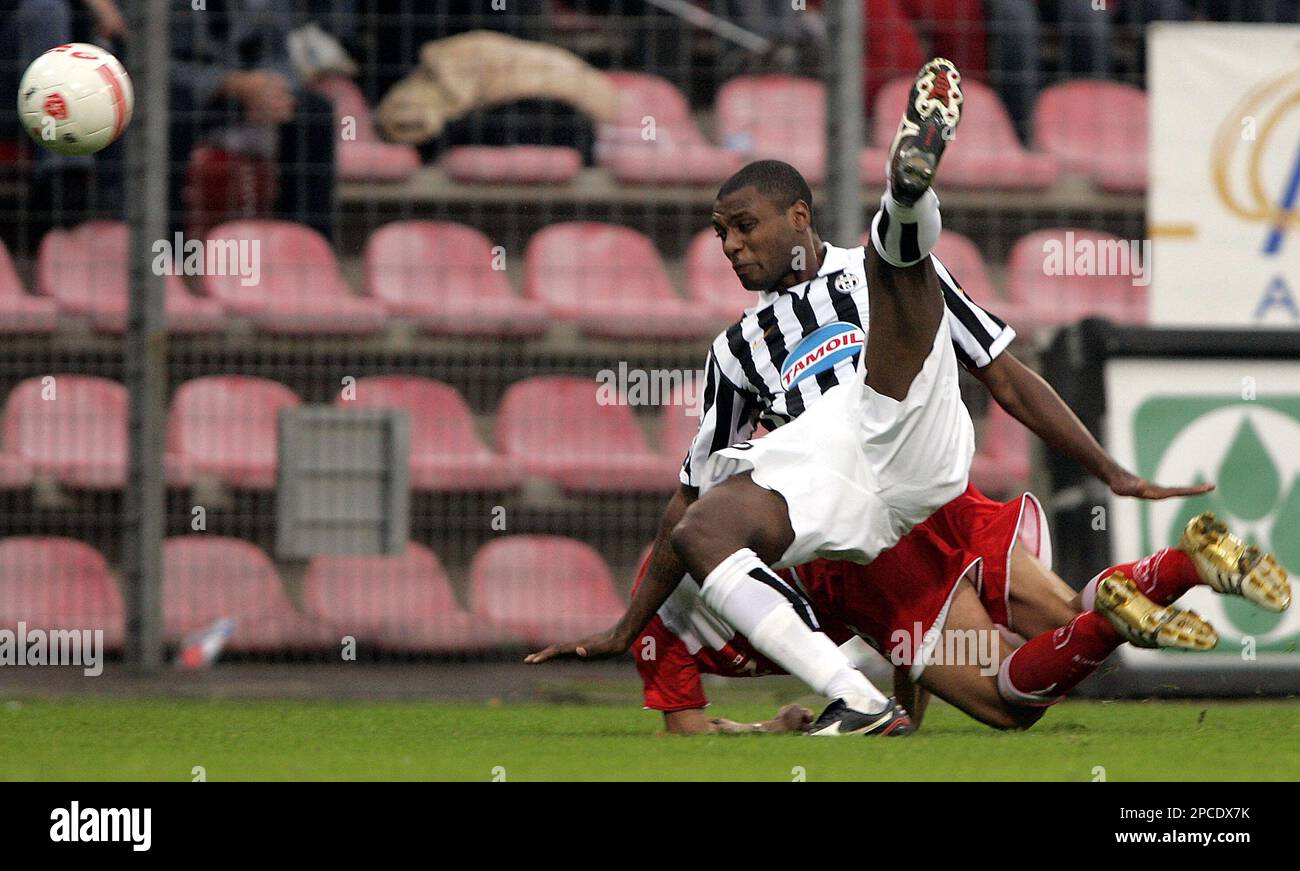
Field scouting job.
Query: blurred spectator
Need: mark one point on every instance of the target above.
(894, 30)
(233, 86)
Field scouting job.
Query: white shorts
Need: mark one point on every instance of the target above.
(858, 469)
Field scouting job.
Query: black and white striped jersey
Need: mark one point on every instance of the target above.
(794, 344)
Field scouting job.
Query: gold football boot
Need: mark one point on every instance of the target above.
(1229, 565)
(1143, 623)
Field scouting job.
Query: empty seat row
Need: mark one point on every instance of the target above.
(523, 589)
(606, 279)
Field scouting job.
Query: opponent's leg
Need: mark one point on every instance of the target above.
(727, 539)
(1038, 599)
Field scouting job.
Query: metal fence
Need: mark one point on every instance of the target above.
(478, 214)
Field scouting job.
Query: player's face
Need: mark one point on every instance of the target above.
(759, 237)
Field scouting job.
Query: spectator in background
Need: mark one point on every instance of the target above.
(233, 85)
(894, 29)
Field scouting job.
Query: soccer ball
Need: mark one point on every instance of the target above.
(75, 99)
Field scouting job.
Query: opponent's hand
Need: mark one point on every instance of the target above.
(606, 645)
(266, 96)
(791, 718)
(1125, 483)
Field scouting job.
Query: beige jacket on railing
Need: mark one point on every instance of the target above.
(481, 69)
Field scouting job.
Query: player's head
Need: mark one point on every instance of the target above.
(763, 215)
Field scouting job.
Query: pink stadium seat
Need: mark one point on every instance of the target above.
(679, 424)
(70, 427)
(710, 280)
(446, 453)
(1096, 129)
(367, 157)
(1001, 465)
(402, 603)
(776, 116)
(543, 588)
(441, 274)
(20, 312)
(985, 153)
(555, 427)
(210, 577)
(678, 153)
(225, 426)
(512, 164)
(50, 582)
(86, 271)
(1054, 300)
(300, 289)
(610, 281)
(15, 472)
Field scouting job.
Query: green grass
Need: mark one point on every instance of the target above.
(164, 739)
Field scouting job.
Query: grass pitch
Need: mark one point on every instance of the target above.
(165, 739)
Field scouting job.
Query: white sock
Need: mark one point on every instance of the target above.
(903, 235)
(783, 631)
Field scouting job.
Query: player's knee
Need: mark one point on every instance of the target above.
(1015, 718)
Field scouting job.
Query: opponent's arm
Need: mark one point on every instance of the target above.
(791, 718)
(1033, 402)
(662, 575)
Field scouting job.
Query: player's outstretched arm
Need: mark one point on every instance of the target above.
(1033, 402)
(662, 575)
(791, 718)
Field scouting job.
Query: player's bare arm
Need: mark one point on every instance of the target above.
(695, 721)
(663, 573)
(1033, 402)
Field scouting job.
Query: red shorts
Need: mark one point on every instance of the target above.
(894, 601)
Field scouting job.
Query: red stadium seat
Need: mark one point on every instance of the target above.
(207, 578)
(225, 426)
(50, 582)
(366, 157)
(554, 426)
(678, 153)
(441, 274)
(710, 280)
(985, 153)
(1001, 465)
(71, 428)
(543, 588)
(512, 164)
(403, 603)
(1054, 300)
(775, 116)
(678, 424)
(85, 270)
(610, 281)
(300, 289)
(20, 312)
(446, 453)
(1096, 129)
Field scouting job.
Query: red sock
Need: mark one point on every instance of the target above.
(1042, 670)
(1164, 576)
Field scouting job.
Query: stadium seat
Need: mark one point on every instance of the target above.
(543, 588)
(51, 582)
(366, 157)
(86, 271)
(446, 453)
(679, 424)
(300, 289)
(512, 164)
(207, 578)
(1097, 129)
(678, 153)
(775, 116)
(1054, 300)
(985, 153)
(610, 281)
(20, 312)
(402, 603)
(15, 472)
(1001, 464)
(711, 281)
(224, 426)
(71, 428)
(441, 274)
(555, 427)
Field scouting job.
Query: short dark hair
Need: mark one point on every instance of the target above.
(774, 179)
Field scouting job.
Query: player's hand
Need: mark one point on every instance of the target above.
(606, 645)
(1127, 484)
(266, 96)
(791, 718)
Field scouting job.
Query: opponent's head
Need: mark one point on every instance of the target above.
(763, 215)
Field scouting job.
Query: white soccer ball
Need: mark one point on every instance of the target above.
(75, 99)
